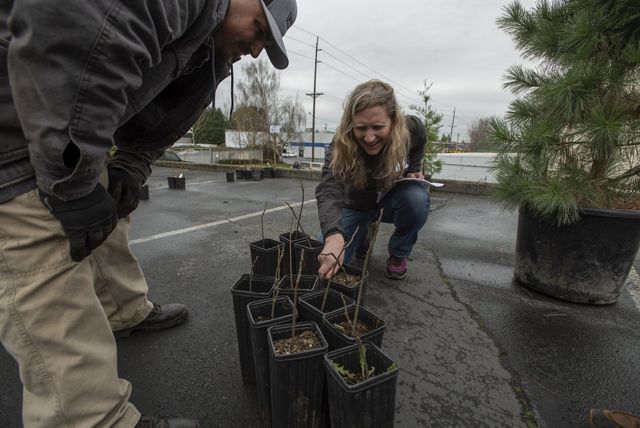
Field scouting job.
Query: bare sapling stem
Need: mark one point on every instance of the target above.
(295, 296)
(346, 311)
(301, 206)
(276, 290)
(326, 291)
(253, 265)
(296, 218)
(262, 221)
(373, 235)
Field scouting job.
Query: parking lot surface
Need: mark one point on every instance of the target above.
(474, 348)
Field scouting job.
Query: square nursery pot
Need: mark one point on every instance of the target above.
(297, 380)
(247, 174)
(289, 262)
(267, 172)
(312, 249)
(310, 305)
(307, 284)
(350, 289)
(264, 256)
(143, 192)
(176, 182)
(239, 174)
(231, 177)
(339, 339)
(259, 315)
(247, 289)
(256, 174)
(370, 403)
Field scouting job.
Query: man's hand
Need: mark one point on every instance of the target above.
(417, 175)
(123, 188)
(86, 221)
(333, 245)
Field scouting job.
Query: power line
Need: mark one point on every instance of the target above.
(299, 54)
(300, 41)
(412, 92)
(340, 71)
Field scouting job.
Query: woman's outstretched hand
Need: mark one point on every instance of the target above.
(333, 245)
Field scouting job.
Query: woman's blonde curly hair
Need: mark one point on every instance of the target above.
(348, 161)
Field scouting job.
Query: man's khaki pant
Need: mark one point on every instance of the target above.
(58, 326)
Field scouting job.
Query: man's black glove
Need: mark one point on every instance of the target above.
(124, 189)
(87, 221)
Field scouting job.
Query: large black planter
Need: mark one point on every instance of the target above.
(585, 262)
(297, 380)
(312, 249)
(264, 256)
(338, 339)
(289, 262)
(231, 177)
(259, 314)
(367, 404)
(352, 292)
(247, 289)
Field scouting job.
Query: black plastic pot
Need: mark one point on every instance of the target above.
(297, 380)
(176, 182)
(352, 292)
(143, 192)
(307, 284)
(312, 249)
(247, 174)
(289, 263)
(585, 262)
(247, 289)
(264, 256)
(256, 312)
(231, 177)
(337, 339)
(367, 404)
(239, 174)
(310, 306)
(256, 174)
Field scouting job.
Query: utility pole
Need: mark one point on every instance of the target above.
(314, 95)
(452, 122)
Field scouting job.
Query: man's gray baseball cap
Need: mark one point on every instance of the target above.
(281, 14)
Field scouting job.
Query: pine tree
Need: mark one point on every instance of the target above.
(572, 138)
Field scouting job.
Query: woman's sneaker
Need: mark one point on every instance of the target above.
(397, 267)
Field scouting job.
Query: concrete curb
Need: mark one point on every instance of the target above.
(451, 186)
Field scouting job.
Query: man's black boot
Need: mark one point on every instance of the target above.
(160, 318)
(154, 422)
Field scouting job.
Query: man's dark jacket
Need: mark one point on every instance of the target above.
(332, 196)
(136, 74)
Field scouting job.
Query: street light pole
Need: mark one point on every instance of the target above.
(314, 95)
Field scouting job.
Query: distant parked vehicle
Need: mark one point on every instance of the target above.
(289, 155)
(170, 156)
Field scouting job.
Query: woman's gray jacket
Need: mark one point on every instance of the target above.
(77, 77)
(332, 195)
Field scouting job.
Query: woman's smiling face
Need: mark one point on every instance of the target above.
(371, 129)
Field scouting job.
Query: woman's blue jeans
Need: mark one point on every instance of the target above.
(406, 206)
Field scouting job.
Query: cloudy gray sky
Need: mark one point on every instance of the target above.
(453, 43)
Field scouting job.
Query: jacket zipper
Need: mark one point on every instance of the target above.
(16, 181)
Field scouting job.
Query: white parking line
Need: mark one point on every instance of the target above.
(212, 224)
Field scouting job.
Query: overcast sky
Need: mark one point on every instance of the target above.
(453, 43)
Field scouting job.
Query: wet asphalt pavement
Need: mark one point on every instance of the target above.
(473, 347)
